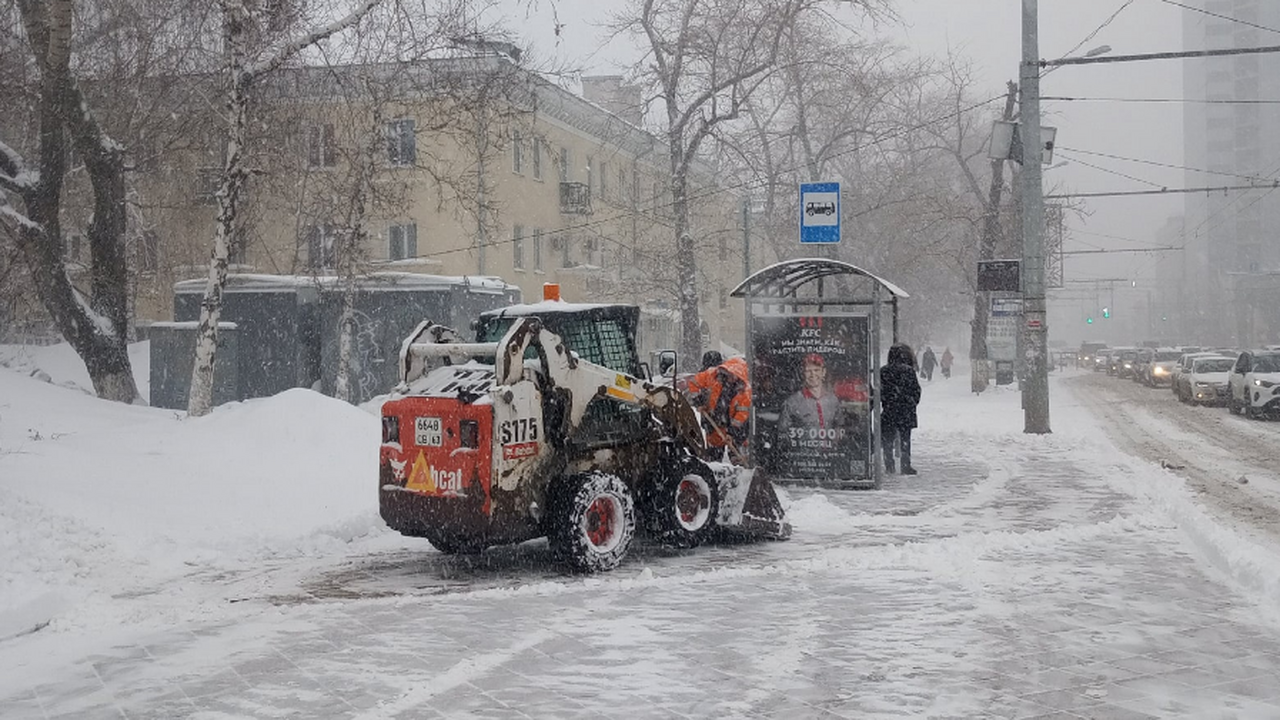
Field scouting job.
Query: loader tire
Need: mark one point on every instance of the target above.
(591, 521)
(683, 510)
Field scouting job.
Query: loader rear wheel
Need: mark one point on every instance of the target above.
(591, 521)
(684, 510)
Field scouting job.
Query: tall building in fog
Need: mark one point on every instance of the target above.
(1232, 238)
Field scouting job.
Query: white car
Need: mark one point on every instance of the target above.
(1206, 382)
(1182, 368)
(1254, 383)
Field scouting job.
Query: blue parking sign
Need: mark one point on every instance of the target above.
(820, 212)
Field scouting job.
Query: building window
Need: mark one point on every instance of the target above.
(622, 182)
(564, 164)
(517, 153)
(591, 176)
(236, 250)
(401, 147)
(604, 180)
(75, 242)
(517, 247)
(149, 251)
(208, 180)
(563, 244)
(402, 241)
(537, 250)
(321, 250)
(537, 159)
(321, 151)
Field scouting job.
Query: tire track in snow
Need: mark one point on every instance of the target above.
(1210, 468)
(459, 674)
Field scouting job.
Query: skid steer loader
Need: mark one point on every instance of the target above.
(545, 426)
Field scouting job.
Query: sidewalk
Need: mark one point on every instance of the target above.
(1016, 577)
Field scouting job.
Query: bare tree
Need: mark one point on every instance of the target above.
(704, 60)
(253, 49)
(96, 326)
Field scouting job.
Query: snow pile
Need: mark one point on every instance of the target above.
(100, 500)
(60, 365)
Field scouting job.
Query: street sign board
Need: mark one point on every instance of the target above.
(1002, 328)
(820, 212)
(998, 275)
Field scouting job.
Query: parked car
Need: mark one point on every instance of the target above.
(1183, 367)
(1206, 382)
(1158, 370)
(1254, 383)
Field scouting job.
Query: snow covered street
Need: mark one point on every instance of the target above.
(235, 566)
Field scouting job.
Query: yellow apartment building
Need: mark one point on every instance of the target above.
(469, 167)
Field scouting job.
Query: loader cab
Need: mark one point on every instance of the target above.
(600, 334)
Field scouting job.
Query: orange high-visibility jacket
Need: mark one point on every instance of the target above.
(723, 393)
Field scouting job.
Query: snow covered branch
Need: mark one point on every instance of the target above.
(14, 175)
(293, 47)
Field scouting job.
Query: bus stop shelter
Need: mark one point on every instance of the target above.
(813, 346)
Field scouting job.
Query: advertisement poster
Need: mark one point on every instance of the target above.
(810, 393)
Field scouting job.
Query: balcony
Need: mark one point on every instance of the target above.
(575, 198)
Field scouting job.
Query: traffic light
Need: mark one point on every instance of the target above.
(1106, 312)
(1089, 321)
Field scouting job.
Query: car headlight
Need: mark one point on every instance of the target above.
(1264, 383)
(1158, 371)
(1127, 366)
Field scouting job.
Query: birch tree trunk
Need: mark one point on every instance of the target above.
(352, 256)
(235, 28)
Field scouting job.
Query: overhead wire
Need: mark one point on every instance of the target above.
(1112, 172)
(1187, 101)
(1141, 161)
(1220, 16)
(1093, 34)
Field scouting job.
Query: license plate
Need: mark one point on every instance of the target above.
(427, 432)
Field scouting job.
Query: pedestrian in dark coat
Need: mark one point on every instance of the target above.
(900, 393)
(928, 362)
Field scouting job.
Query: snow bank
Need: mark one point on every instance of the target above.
(99, 497)
(62, 366)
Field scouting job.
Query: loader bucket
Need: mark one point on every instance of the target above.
(749, 506)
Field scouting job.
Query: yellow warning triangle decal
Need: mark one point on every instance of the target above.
(420, 476)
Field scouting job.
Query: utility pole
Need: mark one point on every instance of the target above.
(1035, 386)
(979, 372)
(746, 270)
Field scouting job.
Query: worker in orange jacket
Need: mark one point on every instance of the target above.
(722, 393)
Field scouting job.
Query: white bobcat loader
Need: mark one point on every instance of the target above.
(545, 427)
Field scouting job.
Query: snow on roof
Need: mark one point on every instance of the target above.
(550, 306)
(392, 280)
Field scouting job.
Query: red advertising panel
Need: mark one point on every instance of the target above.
(811, 395)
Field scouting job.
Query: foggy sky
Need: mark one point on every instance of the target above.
(988, 32)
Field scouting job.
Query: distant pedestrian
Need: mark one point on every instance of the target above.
(901, 394)
(928, 361)
(945, 363)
